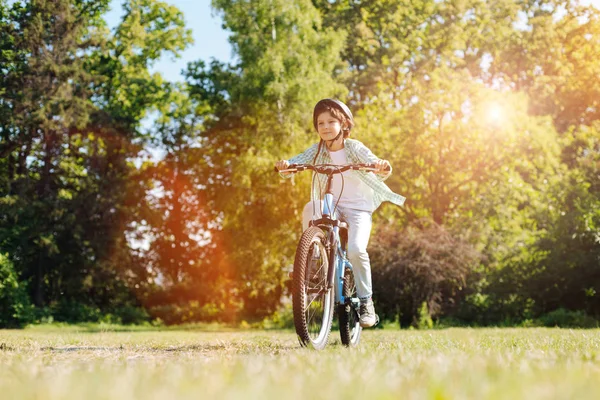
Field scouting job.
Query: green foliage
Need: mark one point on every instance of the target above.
(488, 112)
(76, 95)
(15, 308)
(248, 113)
(280, 319)
(172, 313)
(549, 59)
(568, 319)
(424, 321)
(72, 311)
(128, 314)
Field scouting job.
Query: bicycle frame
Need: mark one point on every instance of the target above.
(337, 260)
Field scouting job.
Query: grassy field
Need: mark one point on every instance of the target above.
(84, 363)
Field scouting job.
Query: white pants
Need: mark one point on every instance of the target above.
(359, 230)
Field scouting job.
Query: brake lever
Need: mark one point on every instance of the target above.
(373, 167)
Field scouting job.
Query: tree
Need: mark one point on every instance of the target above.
(550, 59)
(46, 90)
(286, 62)
(77, 96)
(465, 148)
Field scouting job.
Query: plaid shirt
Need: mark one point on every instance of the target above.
(356, 153)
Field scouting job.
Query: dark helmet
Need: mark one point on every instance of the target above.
(326, 105)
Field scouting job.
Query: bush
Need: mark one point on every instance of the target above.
(423, 263)
(425, 321)
(128, 315)
(73, 311)
(15, 307)
(568, 319)
(186, 312)
(280, 319)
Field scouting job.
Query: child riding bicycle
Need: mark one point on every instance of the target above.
(362, 192)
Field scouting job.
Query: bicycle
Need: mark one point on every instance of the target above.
(322, 275)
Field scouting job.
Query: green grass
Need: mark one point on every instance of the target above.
(107, 362)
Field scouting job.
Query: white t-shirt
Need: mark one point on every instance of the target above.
(356, 195)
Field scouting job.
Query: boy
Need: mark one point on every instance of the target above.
(363, 191)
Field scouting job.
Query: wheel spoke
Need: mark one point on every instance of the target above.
(313, 313)
(309, 304)
(317, 288)
(314, 297)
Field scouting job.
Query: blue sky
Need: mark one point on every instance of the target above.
(210, 40)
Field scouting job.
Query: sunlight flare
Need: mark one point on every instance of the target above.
(494, 113)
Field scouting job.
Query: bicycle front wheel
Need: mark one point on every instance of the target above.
(350, 329)
(312, 300)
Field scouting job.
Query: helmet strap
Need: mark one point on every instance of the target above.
(330, 142)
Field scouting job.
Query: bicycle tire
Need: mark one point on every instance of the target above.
(350, 328)
(312, 302)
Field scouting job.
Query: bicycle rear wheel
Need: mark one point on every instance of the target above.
(350, 328)
(312, 300)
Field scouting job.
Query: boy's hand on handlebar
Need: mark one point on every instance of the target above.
(282, 164)
(383, 167)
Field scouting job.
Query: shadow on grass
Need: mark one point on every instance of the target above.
(81, 348)
(236, 347)
(103, 327)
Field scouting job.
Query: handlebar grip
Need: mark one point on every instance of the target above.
(290, 166)
(373, 165)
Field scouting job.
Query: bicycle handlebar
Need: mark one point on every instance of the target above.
(329, 169)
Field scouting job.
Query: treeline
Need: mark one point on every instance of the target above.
(488, 112)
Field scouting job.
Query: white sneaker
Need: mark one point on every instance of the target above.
(368, 318)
